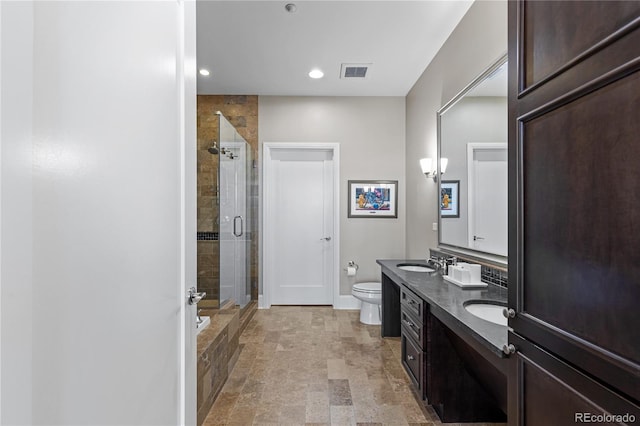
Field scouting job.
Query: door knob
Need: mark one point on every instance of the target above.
(194, 296)
(508, 313)
(325, 239)
(509, 349)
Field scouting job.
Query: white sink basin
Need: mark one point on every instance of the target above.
(414, 268)
(487, 312)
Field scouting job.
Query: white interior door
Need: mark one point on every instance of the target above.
(301, 227)
(488, 197)
(103, 153)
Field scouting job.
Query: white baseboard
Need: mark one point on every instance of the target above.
(347, 301)
(261, 302)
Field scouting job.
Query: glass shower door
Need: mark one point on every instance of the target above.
(234, 221)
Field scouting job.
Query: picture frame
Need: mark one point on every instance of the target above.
(449, 199)
(373, 198)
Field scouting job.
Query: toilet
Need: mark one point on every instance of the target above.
(370, 294)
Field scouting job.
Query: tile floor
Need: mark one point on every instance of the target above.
(315, 365)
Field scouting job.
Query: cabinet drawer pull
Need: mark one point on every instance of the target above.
(409, 323)
(412, 302)
(410, 357)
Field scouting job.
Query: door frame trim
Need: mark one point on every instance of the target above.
(267, 221)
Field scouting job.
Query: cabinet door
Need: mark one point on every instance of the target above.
(574, 183)
(554, 393)
(414, 363)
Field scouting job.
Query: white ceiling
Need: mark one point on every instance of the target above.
(258, 48)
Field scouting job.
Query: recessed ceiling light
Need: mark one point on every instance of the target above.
(290, 7)
(316, 73)
(204, 72)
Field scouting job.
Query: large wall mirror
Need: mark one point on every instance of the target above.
(472, 136)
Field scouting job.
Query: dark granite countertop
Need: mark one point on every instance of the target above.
(447, 300)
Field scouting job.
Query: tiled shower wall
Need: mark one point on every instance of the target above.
(242, 113)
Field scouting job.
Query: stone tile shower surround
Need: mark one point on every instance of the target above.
(242, 113)
(217, 351)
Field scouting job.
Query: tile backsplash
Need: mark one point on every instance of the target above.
(488, 273)
(494, 276)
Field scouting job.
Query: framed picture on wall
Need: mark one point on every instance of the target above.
(373, 198)
(450, 198)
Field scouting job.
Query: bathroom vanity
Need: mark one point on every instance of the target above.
(454, 358)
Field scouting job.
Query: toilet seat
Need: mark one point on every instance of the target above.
(370, 288)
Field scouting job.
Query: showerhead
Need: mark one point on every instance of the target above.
(213, 149)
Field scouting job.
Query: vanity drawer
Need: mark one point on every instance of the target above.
(412, 327)
(413, 362)
(412, 303)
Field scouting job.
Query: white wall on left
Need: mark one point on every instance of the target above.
(371, 133)
(97, 195)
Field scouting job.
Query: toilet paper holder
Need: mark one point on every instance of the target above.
(351, 264)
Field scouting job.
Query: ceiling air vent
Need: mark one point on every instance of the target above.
(354, 70)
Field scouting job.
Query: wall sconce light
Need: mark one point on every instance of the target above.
(426, 166)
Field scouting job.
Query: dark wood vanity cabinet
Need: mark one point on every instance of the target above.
(574, 198)
(446, 371)
(553, 392)
(390, 308)
(413, 339)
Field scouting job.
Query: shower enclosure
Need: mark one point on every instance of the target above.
(224, 216)
(234, 179)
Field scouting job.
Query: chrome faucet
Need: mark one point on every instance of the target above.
(438, 262)
(451, 261)
(442, 262)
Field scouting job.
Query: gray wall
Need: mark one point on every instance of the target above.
(477, 42)
(371, 133)
(472, 119)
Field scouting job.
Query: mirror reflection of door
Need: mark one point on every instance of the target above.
(477, 116)
(487, 176)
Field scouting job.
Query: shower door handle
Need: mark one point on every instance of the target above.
(235, 227)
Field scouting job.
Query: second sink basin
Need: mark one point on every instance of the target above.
(487, 311)
(413, 267)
